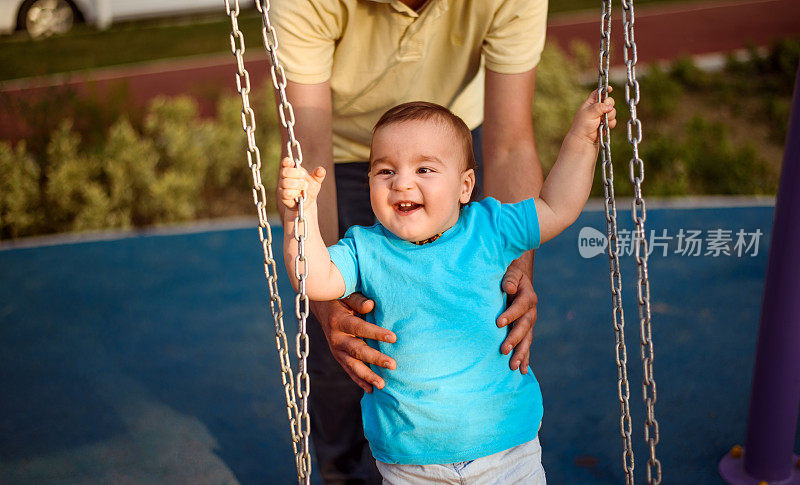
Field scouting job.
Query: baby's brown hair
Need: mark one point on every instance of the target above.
(424, 111)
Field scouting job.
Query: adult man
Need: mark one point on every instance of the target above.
(348, 61)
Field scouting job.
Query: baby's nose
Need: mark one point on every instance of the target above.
(403, 181)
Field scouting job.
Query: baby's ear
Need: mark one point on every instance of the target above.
(467, 185)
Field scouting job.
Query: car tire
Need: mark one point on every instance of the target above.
(43, 18)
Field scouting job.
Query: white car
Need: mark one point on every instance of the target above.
(42, 18)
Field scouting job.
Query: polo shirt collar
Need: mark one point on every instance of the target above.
(402, 7)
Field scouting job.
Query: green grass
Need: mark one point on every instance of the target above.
(131, 42)
(87, 48)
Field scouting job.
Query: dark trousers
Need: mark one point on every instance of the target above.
(343, 454)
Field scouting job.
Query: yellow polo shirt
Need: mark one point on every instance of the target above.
(380, 53)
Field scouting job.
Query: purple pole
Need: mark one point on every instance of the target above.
(775, 394)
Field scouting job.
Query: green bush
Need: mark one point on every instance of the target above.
(19, 192)
(663, 92)
(700, 157)
(75, 196)
(768, 80)
(716, 166)
(781, 66)
(559, 93)
(685, 73)
(175, 167)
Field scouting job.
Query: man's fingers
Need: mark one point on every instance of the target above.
(524, 300)
(352, 353)
(522, 353)
(519, 307)
(359, 372)
(358, 349)
(360, 303)
(511, 279)
(519, 329)
(354, 325)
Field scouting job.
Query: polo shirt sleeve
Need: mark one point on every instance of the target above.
(307, 33)
(344, 256)
(519, 226)
(516, 35)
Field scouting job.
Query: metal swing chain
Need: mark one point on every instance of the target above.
(639, 214)
(299, 422)
(620, 351)
(279, 81)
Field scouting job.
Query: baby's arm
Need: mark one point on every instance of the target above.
(569, 182)
(325, 281)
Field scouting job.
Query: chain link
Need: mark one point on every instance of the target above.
(639, 215)
(299, 420)
(620, 351)
(279, 82)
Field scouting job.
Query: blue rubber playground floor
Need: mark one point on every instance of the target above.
(151, 358)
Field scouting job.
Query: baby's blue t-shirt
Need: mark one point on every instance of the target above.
(452, 397)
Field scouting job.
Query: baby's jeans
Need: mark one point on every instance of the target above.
(518, 465)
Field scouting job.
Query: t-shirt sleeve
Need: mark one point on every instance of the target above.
(344, 256)
(307, 32)
(518, 225)
(516, 35)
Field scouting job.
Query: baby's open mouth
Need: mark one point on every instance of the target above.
(407, 206)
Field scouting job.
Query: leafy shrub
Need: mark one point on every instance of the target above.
(19, 192)
(716, 166)
(767, 79)
(75, 198)
(684, 72)
(663, 92)
(558, 95)
(700, 157)
(175, 167)
(780, 65)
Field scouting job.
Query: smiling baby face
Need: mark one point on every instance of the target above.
(419, 171)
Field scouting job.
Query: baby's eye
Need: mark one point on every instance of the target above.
(384, 171)
(424, 170)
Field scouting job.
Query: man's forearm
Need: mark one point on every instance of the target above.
(313, 128)
(512, 170)
(514, 174)
(327, 208)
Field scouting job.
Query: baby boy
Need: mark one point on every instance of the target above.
(433, 264)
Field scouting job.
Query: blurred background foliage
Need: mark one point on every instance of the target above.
(168, 165)
(704, 133)
(96, 163)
